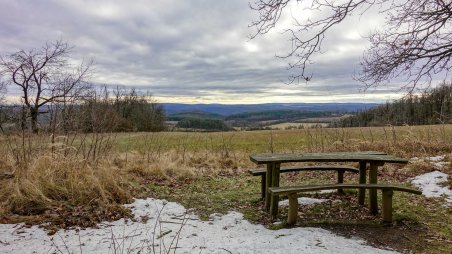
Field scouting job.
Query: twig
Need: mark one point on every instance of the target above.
(226, 250)
(164, 233)
(177, 237)
(79, 240)
(155, 227)
(64, 243)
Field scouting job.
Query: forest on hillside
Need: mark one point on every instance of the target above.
(433, 106)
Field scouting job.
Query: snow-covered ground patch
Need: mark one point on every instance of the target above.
(429, 159)
(306, 201)
(437, 161)
(429, 183)
(161, 226)
(436, 158)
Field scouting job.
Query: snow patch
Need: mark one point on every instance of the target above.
(436, 158)
(306, 201)
(437, 161)
(429, 184)
(162, 225)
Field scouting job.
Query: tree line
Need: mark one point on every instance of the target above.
(203, 124)
(102, 111)
(434, 106)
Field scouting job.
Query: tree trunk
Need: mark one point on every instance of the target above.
(34, 119)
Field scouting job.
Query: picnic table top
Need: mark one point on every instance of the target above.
(368, 156)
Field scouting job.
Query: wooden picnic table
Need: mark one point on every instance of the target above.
(374, 159)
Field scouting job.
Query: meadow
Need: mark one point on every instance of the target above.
(81, 179)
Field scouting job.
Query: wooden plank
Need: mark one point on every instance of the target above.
(265, 158)
(262, 171)
(286, 190)
(362, 180)
(387, 205)
(263, 186)
(275, 183)
(291, 192)
(340, 179)
(373, 201)
(267, 185)
(293, 209)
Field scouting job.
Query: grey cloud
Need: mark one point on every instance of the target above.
(176, 48)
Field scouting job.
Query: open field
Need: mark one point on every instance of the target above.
(400, 140)
(295, 125)
(83, 179)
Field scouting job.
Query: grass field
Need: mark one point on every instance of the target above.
(294, 125)
(81, 179)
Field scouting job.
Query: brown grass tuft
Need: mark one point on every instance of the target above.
(63, 189)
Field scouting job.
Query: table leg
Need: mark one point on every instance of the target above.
(268, 183)
(373, 201)
(275, 183)
(362, 180)
(340, 180)
(263, 186)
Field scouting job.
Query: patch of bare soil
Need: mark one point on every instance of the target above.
(401, 237)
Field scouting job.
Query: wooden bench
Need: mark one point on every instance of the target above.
(340, 173)
(370, 160)
(291, 192)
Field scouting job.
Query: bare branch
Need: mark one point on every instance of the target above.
(416, 42)
(44, 76)
(417, 45)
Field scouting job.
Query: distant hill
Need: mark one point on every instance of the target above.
(269, 115)
(227, 110)
(217, 116)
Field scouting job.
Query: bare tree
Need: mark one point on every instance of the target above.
(2, 100)
(416, 42)
(44, 76)
(2, 90)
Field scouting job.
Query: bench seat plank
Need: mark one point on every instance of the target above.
(291, 192)
(263, 171)
(306, 188)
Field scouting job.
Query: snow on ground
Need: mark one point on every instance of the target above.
(306, 201)
(429, 184)
(437, 161)
(431, 159)
(175, 226)
(436, 158)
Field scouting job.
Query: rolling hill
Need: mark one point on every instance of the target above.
(227, 109)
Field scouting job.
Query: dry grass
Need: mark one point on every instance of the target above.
(401, 140)
(56, 183)
(82, 179)
(52, 179)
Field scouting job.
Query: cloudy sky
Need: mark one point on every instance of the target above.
(193, 51)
